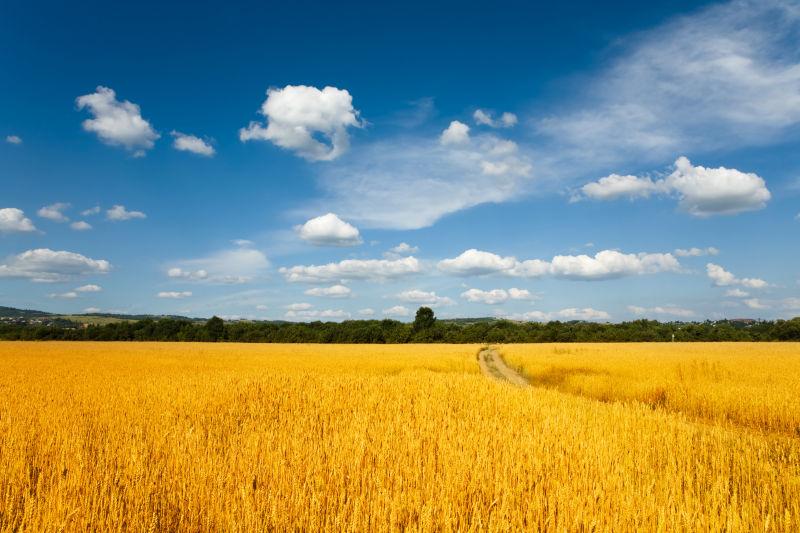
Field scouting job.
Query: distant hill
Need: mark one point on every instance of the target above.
(85, 318)
(12, 312)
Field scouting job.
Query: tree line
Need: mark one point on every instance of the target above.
(425, 328)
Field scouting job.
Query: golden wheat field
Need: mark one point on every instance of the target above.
(245, 437)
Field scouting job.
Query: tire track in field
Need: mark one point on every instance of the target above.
(493, 366)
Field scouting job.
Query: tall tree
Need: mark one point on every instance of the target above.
(425, 319)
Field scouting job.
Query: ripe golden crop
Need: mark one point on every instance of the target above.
(235, 437)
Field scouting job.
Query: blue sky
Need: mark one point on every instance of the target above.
(318, 161)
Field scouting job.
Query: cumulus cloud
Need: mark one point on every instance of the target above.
(496, 296)
(299, 306)
(696, 252)
(334, 291)
(89, 288)
(606, 264)
(397, 310)
(234, 266)
(119, 213)
(91, 310)
(13, 220)
(456, 133)
(485, 118)
(737, 293)
(474, 262)
(54, 212)
(190, 143)
(716, 191)
(571, 313)
(354, 269)
(91, 211)
(117, 123)
(297, 116)
(367, 311)
(700, 191)
(329, 230)
(722, 278)
(661, 311)
(193, 275)
(80, 225)
(174, 295)
(417, 296)
(46, 265)
(401, 250)
(616, 186)
(13, 139)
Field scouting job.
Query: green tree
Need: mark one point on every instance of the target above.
(424, 320)
(215, 327)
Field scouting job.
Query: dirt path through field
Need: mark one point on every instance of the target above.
(493, 366)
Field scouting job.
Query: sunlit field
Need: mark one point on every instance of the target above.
(255, 437)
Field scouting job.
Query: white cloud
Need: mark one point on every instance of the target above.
(496, 296)
(80, 225)
(334, 291)
(367, 311)
(716, 191)
(54, 212)
(64, 295)
(360, 269)
(571, 313)
(606, 264)
(336, 314)
(174, 295)
(117, 123)
(721, 77)
(329, 230)
(474, 262)
(755, 303)
(14, 220)
(407, 183)
(696, 252)
(193, 275)
(485, 118)
(118, 213)
(586, 313)
(737, 293)
(722, 278)
(296, 115)
(401, 250)
(701, 191)
(13, 139)
(91, 310)
(456, 133)
(261, 307)
(234, 266)
(299, 306)
(417, 296)
(89, 288)
(662, 311)
(46, 265)
(91, 211)
(189, 143)
(242, 242)
(616, 186)
(397, 310)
